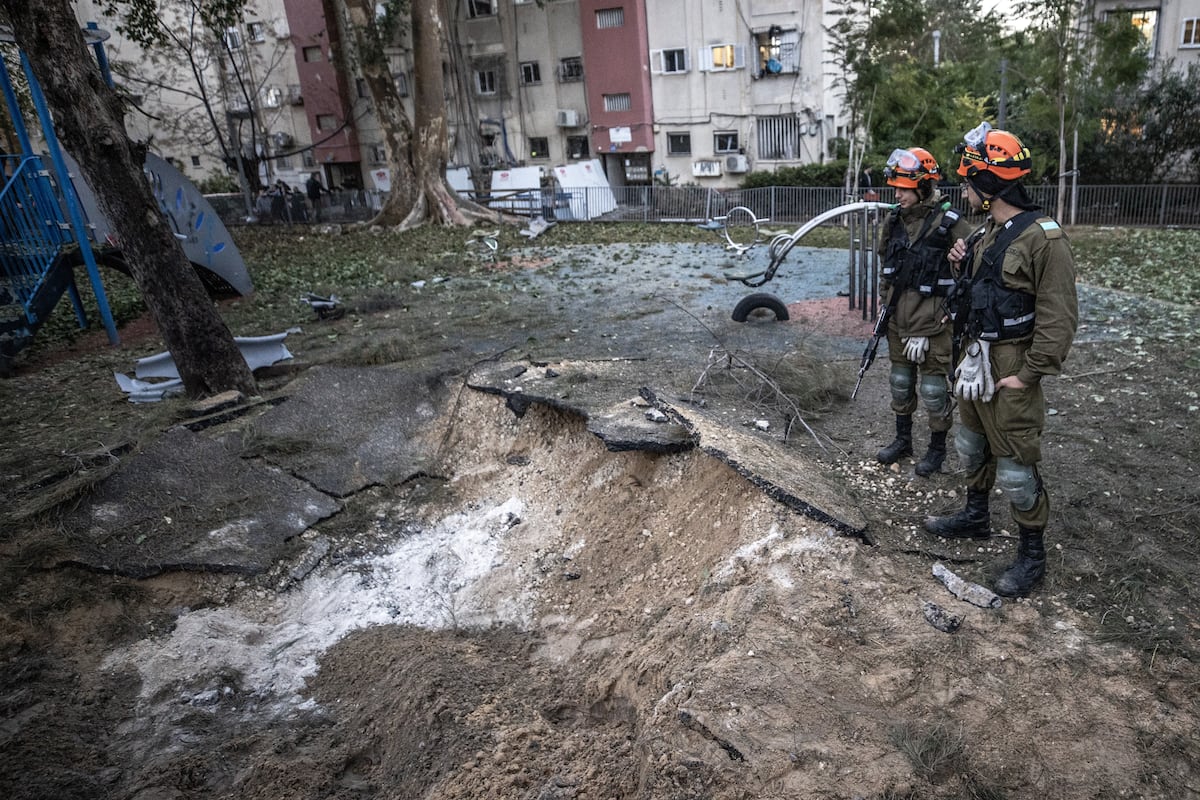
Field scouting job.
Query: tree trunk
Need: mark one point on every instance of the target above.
(429, 146)
(89, 122)
(358, 36)
(417, 154)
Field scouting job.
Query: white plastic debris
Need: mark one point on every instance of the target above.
(259, 351)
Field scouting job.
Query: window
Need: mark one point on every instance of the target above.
(539, 147)
(309, 159)
(668, 62)
(1145, 21)
(778, 51)
(531, 73)
(295, 94)
(577, 147)
(679, 144)
(233, 38)
(722, 57)
(617, 102)
(1191, 33)
(378, 154)
(485, 81)
(195, 161)
(610, 18)
(401, 80)
(725, 142)
(283, 162)
(360, 88)
(480, 8)
(570, 69)
(272, 97)
(312, 53)
(326, 122)
(256, 31)
(781, 137)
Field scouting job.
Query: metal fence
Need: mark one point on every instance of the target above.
(1161, 205)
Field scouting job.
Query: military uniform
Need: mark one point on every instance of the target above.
(918, 291)
(1001, 439)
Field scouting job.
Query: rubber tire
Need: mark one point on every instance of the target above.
(758, 300)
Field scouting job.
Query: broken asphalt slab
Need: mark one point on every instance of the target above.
(189, 503)
(346, 428)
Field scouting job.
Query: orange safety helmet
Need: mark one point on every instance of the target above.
(986, 149)
(907, 168)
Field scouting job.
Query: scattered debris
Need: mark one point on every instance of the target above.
(259, 351)
(972, 593)
(326, 307)
(537, 226)
(940, 618)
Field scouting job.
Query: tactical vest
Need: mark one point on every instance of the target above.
(997, 312)
(921, 267)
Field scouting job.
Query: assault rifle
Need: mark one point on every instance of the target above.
(868, 356)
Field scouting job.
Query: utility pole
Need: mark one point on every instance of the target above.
(1002, 116)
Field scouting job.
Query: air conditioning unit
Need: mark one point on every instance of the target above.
(706, 169)
(568, 118)
(737, 163)
(282, 139)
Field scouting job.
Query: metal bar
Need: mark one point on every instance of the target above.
(72, 202)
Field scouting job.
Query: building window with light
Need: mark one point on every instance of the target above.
(721, 57)
(539, 147)
(1191, 33)
(778, 51)
(1145, 21)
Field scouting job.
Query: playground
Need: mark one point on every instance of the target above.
(556, 526)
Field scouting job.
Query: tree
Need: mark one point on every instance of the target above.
(417, 150)
(896, 95)
(187, 55)
(89, 121)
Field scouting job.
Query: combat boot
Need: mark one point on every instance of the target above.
(973, 522)
(902, 446)
(934, 456)
(1029, 568)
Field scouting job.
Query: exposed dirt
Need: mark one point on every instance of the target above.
(541, 618)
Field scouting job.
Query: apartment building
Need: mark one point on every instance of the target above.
(694, 91)
(738, 86)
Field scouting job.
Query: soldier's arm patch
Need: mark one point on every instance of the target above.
(1051, 228)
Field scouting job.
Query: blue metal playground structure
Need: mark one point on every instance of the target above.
(51, 224)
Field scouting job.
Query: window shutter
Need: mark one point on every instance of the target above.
(656, 62)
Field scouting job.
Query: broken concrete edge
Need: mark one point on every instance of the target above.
(520, 402)
(772, 490)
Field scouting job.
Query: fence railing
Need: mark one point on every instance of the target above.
(1159, 205)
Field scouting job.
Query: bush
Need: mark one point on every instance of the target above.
(218, 183)
(831, 173)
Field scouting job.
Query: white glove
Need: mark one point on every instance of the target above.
(973, 378)
(915, 348)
